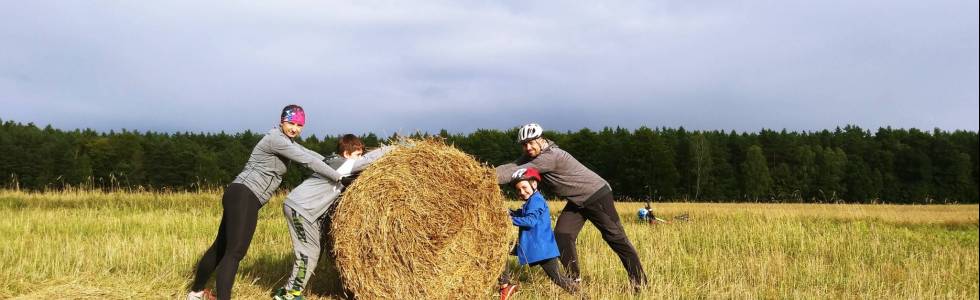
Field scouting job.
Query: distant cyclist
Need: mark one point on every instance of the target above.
(643, 214)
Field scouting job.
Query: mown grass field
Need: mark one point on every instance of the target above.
(76, 245)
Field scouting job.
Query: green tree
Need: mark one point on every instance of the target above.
(831, 163)
(961, 185)
(806, 170)
(701, 163)
(755, 173)
(846, 164)
(724, 177)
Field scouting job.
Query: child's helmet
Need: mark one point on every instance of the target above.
(525, 174)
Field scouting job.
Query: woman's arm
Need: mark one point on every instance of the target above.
(369, 158)
(301, 155)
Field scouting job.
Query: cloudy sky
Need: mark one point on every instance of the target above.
(396, 66)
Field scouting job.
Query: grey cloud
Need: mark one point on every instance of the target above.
(386, 67)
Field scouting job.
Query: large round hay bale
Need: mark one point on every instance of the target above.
(425, 220)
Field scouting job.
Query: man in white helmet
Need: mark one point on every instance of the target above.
(589, 198)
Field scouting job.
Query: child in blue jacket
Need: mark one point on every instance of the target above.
(536, 243)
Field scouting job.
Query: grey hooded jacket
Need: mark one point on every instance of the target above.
(315, 195)
(567, 176)
(267, 163)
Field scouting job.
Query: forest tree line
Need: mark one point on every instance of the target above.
(848, 164)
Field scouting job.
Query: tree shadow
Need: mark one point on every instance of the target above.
(327, 280)
(269, 271)
(275, 269)
(272, 271)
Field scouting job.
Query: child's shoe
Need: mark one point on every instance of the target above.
(507, 290)
(283, 294)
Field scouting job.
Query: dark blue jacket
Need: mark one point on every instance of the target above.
(537, 241)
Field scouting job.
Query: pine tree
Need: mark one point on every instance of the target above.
(755, 174)
(831, 163)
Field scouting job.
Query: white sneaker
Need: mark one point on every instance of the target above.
(195, 295)
(205, 294)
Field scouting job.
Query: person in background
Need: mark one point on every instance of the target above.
(650, 218)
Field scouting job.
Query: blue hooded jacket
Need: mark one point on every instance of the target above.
(537, 241)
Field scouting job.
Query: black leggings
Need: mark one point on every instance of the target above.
(240, 213)
(602, 213)
(550, 267)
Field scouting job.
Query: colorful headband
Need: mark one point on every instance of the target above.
(294, 114)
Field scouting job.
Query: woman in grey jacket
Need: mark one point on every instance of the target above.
(250, 191)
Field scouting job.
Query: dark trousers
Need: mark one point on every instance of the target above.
(550, 267)
(602, 213)
(240, 210)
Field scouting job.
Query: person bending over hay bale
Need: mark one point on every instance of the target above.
(426, 220)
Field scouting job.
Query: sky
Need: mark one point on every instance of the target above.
(404, 66)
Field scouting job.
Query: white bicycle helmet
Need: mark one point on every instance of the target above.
(529, 132)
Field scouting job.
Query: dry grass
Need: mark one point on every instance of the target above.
(425, 221)
(93, 245)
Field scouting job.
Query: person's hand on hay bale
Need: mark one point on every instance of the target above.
(406, 143)
(347, 180)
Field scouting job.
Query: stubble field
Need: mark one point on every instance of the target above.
(126, 245)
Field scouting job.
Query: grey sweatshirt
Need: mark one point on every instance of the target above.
(566, 175)
(265, 167)
(315, 195)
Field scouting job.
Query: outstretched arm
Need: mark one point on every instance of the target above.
(530, 216)
(544, 163)
(369, 158)
(301, 155)
(505, 171)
